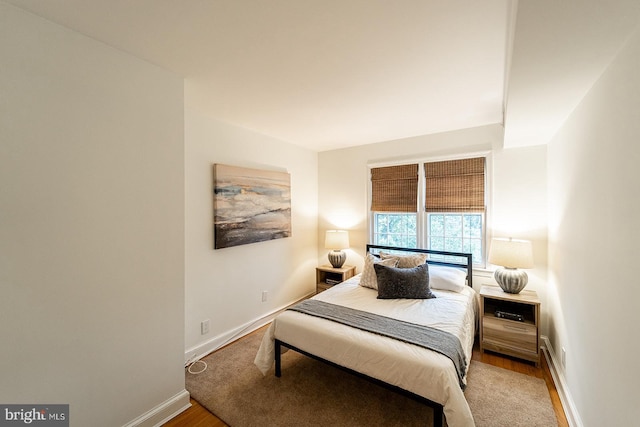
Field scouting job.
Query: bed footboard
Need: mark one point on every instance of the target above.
(438, 416)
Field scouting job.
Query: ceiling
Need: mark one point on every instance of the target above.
(327, 74)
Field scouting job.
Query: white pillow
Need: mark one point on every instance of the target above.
(368, 278)
(447, 278)
(406, 261)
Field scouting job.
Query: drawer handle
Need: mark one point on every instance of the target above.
(516, 328)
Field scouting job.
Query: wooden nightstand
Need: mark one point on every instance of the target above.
(498, 332)
(327, 276)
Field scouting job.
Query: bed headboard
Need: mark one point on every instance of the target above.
(465, 259)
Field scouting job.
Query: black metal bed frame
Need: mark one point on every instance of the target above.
(467, 265)
(438, 417)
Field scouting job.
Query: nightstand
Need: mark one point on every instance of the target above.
(510, 323)
(327, 276)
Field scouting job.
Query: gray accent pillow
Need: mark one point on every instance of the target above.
(406, 283)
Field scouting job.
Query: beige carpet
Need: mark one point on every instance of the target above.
(310, 393)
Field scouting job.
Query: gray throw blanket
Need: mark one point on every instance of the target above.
(424, 336)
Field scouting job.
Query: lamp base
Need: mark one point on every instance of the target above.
(337, 258)
(511, 280)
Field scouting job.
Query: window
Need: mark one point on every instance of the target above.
(456, 232)
(394, 199)
(395, 229)
(450, 216)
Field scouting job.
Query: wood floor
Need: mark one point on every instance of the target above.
(198, 416)
(526, 368)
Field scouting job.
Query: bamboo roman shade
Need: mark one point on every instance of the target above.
(394, 188)
(455, 185)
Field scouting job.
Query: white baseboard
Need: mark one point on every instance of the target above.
(163, 412)
(201, 350)
(570, 410)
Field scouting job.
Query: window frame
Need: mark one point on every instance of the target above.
(427, 236)
(422, 237)
(374, 222)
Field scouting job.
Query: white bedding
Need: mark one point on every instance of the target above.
(421, 371)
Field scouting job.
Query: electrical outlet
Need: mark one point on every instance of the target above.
(204, 327)
(564, 358)
(265, 294)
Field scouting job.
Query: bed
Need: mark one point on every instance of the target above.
(425, 372)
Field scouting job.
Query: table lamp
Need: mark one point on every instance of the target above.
(511, 254)
(337, 240)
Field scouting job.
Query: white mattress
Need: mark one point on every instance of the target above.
(421, 371)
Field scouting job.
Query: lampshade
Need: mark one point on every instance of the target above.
(336, 239)
(511, 253)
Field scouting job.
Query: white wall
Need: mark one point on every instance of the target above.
(519, 208)
(517, 198)
(91, 225)
(593, 244)
(226, 285)
(344, 178)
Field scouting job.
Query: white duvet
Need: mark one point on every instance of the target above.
(421, 371)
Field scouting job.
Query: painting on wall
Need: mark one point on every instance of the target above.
(250, 205)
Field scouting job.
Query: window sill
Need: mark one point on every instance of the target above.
(482, 272)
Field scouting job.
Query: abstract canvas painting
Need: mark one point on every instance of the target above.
(250, 205)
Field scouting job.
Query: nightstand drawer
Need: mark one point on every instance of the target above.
(523, 336)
